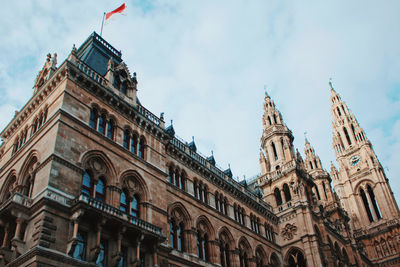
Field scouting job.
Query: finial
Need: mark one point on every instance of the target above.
(74, 48)
(265, 90)
(48, 57)
(330, 83)
(54, 60)
(305, 136)
(212, 152)
(171, 122)
(162, 116)
(229, 165)
(193, 138)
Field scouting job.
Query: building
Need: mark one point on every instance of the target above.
(90, 177)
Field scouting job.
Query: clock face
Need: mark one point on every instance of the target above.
(354, 160)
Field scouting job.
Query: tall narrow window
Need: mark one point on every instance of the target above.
(365, 202)
(338, 111)
(353, 131)
(126, 142)
(123, 204)
(182, 181)
(373, 200)
(134, 206)
(93, 118)
(283, 148)
(177, 178)
(134, 144)
(316, 190)
(110, 129)
(87, 185)
(217, 201)
(286, 192)
(274, 150)
(278, 197)
(180, 237)
(123, 261)
(171, 174)
(102, 124)
(275, 119)
(141, 147)
(269, 120)
(102, 257)
(80, 248)
(172, 235)
(324, 187)
(100, 190)
(347, 135)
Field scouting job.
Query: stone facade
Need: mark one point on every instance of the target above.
(90, 177)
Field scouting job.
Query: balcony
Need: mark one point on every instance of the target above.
(118, 215)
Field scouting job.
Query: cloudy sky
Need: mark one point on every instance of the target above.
(205, 64)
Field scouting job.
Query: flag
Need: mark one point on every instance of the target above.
(116, 11)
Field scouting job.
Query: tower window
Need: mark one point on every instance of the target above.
(347, 136)
(286, 192)
(373, 200)
(274, 150)
(278, 197)
(366, 205)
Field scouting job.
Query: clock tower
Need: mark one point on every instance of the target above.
(360, 182)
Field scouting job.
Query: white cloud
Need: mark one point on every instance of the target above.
(205, 64)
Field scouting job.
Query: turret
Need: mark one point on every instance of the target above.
(277, 139)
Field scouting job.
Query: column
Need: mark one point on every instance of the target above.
(5, 238)
(213, 247)
(190, 244)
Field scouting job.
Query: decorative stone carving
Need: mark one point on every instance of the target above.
(131, 186)
(289, 231)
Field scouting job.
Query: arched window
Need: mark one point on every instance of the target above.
(134, 143)
(283, 148)
(93, 118)
(126, 138)
(110, 129)
(80, 248)
(243, 257)
(338, 111)
(316, 190)
(102, 124)
(347, 136)
(123, 202)
(373, 200)
(235, 211)
(353, 131)
(182, 181)
(134, 206)
(87, 184)
(296, 259)
(225, 211)
(177, 178)
(202, 246)
(176, 235)
(141, 147)
(278, 197)
(366, 205)
(224, 251)
(259, 259)
(274, 150)
(324, 187)
(275, 119)
(195, 186)
(286, 192)
(205, 194)
(217, 207)
(100, 190)
(171, 174)
(269, 120)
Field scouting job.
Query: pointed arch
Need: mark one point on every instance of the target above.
(226, 235)
(134, 182)
(261, 256)
(178, 212)
(286, 192)
(100, 166)
(246, 245)
(245, 252)
(204, 224)
(295, 258)
(278, 197)
(8, 186)
(274, 260)
(27, 174)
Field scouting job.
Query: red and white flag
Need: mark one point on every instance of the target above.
(119, 10)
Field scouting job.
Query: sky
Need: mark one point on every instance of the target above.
(205, 64)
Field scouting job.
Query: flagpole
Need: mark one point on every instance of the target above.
(102, 22)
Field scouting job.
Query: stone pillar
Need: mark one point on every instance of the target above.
(5, 238)
(213, 248)
(190, 244)
(234, 257)
(155, 250)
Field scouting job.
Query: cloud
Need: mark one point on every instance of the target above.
(205, 65)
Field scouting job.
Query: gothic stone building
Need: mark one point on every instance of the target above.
(90, 177)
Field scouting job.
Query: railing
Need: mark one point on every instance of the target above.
(143, 224)
(103, 207)
(147, 114)
(180, 144)
(107, 45)
(90, 72)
